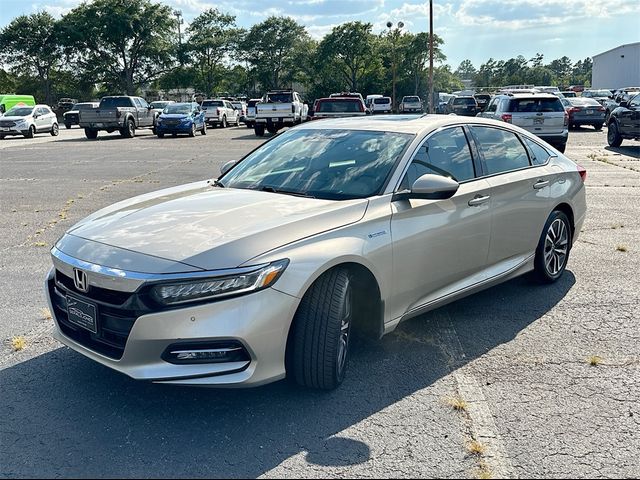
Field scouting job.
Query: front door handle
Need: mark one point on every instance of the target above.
(478, 200)
(541, 184)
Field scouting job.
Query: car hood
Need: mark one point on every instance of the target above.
(210, 227)
(16, 119)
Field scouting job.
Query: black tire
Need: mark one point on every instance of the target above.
(613, 135)
(31, 132)
(259, 130)
(192, 131)
(67, 126)
(129, 129)
(248, 125)
(562, 148)
(223, 122)
(204, 129)
(90, 133)
(317, 353)
(160, 135)
(237, 120)
(598, 127)
(174, 134)
(153, 130)
(606, 116)
(272, 129)
(1, 137)
(55, 130)
(543, 272)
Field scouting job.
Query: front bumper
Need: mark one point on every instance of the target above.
(13, 131)
(259, 321)
(180, 128)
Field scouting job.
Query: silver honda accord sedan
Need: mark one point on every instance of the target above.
(331, 227)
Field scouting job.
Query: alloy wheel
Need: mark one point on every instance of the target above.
(345, 331)
(556, 247)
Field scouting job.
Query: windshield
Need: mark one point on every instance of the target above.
(326, 164)
(213, 103)
(181, 108)
(19, 112)
(339, 106)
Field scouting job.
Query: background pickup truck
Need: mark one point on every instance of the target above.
(279, 108)
(124, 114)
(411, 104)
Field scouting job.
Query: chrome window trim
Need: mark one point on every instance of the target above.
(128, 281)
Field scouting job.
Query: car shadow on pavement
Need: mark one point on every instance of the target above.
(64, 415)
(629, 150)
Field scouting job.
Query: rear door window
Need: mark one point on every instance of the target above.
(502, 150)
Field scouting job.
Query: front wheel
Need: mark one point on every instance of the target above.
(160, 135)
(223, 123)
(55, 130)
(553, 248)
(192, 131)
(319, 341)
(31, 132)
(613, 135)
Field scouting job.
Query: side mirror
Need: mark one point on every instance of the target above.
(227, 166)
(430, 187)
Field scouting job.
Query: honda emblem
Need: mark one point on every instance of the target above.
(80, 280)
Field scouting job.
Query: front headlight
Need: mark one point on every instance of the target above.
(20, 122)
(198, 290)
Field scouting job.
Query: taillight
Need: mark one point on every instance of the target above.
(583, 173)
(217, 111)
(566, 119)
(362, 107)
(506, 117)
(601, 109)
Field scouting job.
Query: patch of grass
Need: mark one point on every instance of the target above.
(457, 403)
(484, 471)
(46, 314)
(622, 248)
(476, 448)
(18, 343)
(614, 227)
(594, 360)
(40, 244)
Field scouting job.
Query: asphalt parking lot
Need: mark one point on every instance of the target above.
(517, 358)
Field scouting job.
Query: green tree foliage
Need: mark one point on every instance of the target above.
(122, 43)
(274, 50)
(212, 37)
(30, 46)
(466, 70)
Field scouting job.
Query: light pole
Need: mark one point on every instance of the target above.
(430, 56)
(394, 40)
(178, 15)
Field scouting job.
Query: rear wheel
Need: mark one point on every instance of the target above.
(319, 341)
(90, 133)
(598, 127)
(55, 130)
(613, 135)
(192, 131)
(272, 129)
(67, 126)
(129, 129)
(160, 135)
(31, 132)
(259, 130)
(204, 129)
(223, 123)
(553, 248)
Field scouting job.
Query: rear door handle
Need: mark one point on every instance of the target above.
(478, 200)
(541, 184)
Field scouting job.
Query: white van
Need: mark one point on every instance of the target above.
(381, 105)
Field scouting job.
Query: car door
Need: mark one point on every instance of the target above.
(629, 118)
(51, 118)
(145, 114)
(437, 243)
(519, 192)
(42, 122)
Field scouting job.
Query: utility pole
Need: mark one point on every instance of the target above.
(178, 14)
(430, 56)
(394, 38)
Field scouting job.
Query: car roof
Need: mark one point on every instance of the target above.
(412, 124)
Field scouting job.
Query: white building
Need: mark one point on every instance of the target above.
(617, 68)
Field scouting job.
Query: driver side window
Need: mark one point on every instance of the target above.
(635, 102)
(445, 153)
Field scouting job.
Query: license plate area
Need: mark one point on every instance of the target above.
(538, 121)
(82, 314)
(275, 120)
(6, 129)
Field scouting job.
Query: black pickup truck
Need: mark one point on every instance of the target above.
(624, 122)
(121, 113)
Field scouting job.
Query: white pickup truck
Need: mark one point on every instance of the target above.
(278, 109)
(220, 112)
(411, 104)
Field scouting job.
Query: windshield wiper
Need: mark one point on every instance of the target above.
(216, 183)
(285, 192)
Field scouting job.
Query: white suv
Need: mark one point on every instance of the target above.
(540, 113)
(27, 121)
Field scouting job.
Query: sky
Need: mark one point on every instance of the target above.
(471, 29)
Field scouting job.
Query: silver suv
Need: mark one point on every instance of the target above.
(540, 113)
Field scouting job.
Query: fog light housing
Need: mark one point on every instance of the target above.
(209, 352)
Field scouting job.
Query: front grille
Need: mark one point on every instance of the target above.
(171, 123)
(116, 314)
(7, 123)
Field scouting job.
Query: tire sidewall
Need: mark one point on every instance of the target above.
(539, 264)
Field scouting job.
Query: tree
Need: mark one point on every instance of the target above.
(466, 70)
(350, 48)
(561, 68)
(30, 45)
(123, 43)
(537, 59)
(212, 36)
(274, 49)
(416, 57)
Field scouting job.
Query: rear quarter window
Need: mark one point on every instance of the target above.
(501, 149)
(539, 154)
